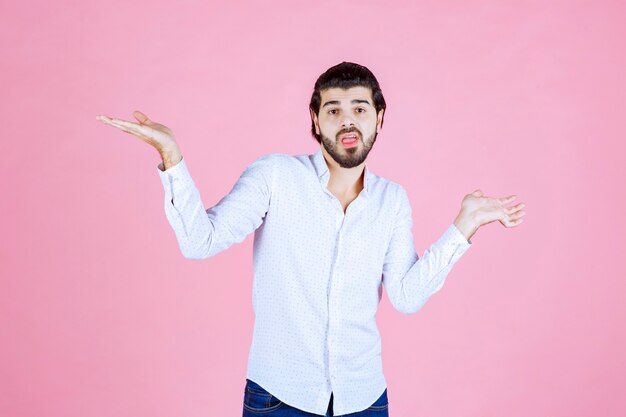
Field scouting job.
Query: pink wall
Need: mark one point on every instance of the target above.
(100, 315)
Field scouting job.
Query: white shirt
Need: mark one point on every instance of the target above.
(318, 274)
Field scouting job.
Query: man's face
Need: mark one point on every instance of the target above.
(345, 113)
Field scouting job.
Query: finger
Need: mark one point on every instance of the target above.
(122, 128)
(506, 200)
(128, 127)
(142, 118)
(105, 119)
(125, 123)
(512, 223)
(515, 208)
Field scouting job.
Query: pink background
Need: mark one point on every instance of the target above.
(100, 315)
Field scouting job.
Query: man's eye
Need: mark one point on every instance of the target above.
(361, 108)
(331, 111)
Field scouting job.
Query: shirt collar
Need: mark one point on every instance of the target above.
(321, 167)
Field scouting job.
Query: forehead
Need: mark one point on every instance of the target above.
(346, 95)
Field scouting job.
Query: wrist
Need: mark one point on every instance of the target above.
(466, 225)
(170, 156)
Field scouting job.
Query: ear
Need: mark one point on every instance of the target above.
(380, 120)
(315, 121)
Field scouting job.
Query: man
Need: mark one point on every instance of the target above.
(329, 234)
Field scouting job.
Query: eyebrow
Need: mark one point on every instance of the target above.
(355, 101)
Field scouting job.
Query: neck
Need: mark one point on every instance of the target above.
(344, 181)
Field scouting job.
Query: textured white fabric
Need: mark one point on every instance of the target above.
(318, 273)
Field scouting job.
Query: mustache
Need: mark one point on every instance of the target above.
(343, 132)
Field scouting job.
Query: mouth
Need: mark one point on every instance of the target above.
(349, 140)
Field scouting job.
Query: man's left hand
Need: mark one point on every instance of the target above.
(478, 210)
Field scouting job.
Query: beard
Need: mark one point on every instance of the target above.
(348, 157)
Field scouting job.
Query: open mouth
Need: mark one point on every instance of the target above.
(349, 140)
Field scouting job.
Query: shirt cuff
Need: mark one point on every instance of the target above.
(175, 176)
(456, 234)
(453, 240)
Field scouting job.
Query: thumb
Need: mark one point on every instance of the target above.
(142, 118)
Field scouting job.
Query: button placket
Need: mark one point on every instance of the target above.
(332, 313)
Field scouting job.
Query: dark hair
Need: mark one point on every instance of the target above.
(345, 75)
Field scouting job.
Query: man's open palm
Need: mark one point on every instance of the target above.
(155, 134)
(488, 209)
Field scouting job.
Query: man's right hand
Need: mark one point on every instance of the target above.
(155, 134)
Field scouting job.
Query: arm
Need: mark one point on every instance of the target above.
(203, 233)
(409, 280)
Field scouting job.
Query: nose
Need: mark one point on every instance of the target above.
(347, 122)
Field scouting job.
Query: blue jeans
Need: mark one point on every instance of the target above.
(258, 402)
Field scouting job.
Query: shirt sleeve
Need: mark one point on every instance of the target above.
(408, 279)
(201, 232)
